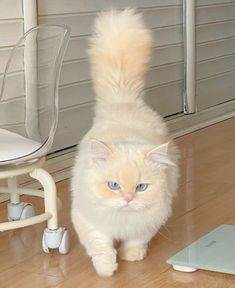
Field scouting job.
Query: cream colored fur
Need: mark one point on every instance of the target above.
(128, 144)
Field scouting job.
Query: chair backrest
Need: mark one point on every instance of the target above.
(29, 92)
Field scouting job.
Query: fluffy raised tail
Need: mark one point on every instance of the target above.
(120, 52)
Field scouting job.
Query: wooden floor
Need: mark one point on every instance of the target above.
(205, 200)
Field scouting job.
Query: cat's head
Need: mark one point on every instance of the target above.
(129, 176)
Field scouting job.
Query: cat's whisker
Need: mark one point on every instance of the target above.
(167, 229)
(166, 237)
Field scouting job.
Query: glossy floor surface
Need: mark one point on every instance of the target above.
(206, 199)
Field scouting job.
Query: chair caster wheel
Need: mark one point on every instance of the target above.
(56, 239)
(64, 245)
(20, 211)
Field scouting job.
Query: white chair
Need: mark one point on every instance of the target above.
(28, 120)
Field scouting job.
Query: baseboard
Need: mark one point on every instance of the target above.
(59, 164)
(184, 124)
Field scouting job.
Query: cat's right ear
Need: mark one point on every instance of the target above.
(160, 155)
(99, 151)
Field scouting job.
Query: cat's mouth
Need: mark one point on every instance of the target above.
(124, 205)
(132, 206)
(127, 208)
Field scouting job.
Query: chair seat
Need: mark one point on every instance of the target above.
(14, 146)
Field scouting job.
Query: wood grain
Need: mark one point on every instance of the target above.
(206, 199)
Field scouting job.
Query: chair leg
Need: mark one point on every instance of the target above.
(54, 237)
(12, 186)
(49, 188)
(17, 210)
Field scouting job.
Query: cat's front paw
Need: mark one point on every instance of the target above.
(133, 253)
(103, 267)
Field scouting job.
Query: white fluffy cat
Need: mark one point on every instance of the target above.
(125, 174)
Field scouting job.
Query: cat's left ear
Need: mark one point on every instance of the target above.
(160, 155)
(99, 151)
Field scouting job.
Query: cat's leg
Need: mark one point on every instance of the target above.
(98, 246)
(133, 250)
(102, 252)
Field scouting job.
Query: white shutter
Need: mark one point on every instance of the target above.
(164, 86)
(215, 34)
(11, 29)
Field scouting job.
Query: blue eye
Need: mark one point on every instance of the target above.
(141, 187)
(113, 185)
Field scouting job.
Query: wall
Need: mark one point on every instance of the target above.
(215, 36)
(164, 86)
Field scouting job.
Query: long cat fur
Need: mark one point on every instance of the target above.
(128, 143)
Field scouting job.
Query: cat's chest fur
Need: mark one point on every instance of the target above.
(121, 225)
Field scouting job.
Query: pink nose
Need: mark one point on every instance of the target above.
(128, 198)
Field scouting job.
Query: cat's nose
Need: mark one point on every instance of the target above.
(128, 198)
